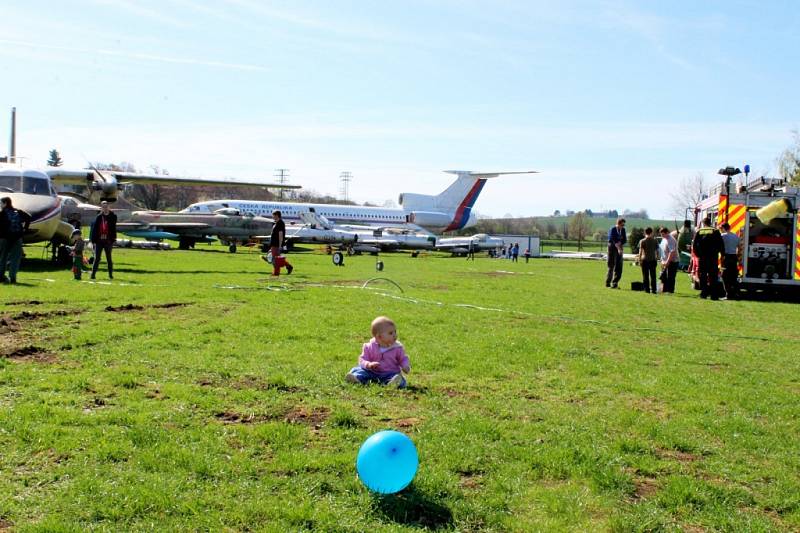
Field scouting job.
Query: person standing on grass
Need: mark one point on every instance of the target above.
(78, 245)
(515, 252)
(616, 242)
(13, 225)
(669, 259)
(648, 257)
(276, 242)
(685, 245)
(730, 263)
(707, 246)
(383, 360)
(103, 236)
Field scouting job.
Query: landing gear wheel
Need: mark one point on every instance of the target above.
(232, 248)
(338, 259)
(379, 266)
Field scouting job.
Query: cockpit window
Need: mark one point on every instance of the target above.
(9, 183)
(35, 185)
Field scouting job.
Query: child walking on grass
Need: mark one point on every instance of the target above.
(383, 359)
(78, 245)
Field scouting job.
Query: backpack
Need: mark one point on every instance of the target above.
(15, 228)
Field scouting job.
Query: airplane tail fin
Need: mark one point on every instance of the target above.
(315, 220)
(456, 201)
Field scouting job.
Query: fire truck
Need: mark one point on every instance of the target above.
(764, 214)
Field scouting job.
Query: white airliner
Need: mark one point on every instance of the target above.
(449, 210)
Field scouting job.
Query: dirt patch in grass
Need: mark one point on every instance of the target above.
(171, 305)
(253, 382)
(30, 353)
(6, 525)
(644, 488)
(155, 394)
(472, 481)
(96, 403)
(312, 417)
(28, 315)
(25, 302)
(454, 393)
(124, 308)
(230, 417)
(650, 406)
(136, 307)
(677, 455)
(402, 422)
(8, 325)
(407, 422)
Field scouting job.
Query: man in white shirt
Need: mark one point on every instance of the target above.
(669, 259)
(730, 262)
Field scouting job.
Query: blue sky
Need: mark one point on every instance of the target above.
(615, 102)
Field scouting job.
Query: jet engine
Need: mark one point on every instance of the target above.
(429, 219)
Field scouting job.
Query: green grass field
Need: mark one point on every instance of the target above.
(195, 393)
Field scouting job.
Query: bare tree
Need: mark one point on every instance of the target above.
(690, 191)
(789, 161)
(580, 228)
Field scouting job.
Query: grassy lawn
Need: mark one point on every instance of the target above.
(195, 393)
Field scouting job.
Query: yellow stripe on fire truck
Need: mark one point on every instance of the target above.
(797, 259)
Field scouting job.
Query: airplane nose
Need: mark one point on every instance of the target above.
(109, 192)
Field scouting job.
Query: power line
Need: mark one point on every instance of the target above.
(282, 174)
(346, 177)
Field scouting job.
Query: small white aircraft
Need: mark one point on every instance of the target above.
(316, 229)
(475, 243)
(449, 210)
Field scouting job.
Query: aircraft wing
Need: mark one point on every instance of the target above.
(81, 177)
(164, 225)
(379, 241)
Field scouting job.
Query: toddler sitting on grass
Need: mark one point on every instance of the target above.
(382, 358)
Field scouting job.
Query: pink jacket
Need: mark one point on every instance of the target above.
(391, 361)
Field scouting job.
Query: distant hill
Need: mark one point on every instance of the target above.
(602, 224)
(553, 227)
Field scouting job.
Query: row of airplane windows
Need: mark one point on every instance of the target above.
(260, 209)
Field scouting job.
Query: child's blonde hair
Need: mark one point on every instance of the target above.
(381, 323)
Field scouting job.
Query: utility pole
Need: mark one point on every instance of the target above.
(344, 190)
(12, 151)
(283, 177)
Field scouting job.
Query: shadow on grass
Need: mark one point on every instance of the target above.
(414, 508)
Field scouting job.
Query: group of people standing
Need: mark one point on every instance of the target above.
(651, 252)
(510, 252)
(14, 223)
(708, 245)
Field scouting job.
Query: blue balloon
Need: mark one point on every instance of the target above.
(387, 462)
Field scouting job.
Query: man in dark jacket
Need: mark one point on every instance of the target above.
(616, 242)
(13, 225)
(103, 236)
(707, 245)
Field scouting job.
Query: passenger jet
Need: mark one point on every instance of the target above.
(449, 210)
